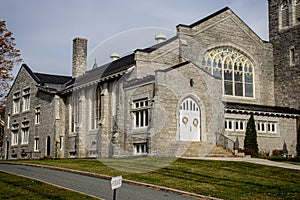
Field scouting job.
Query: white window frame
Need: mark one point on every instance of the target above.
(26, 100)
(36, 144)
(215, 62)
(16, 103)
(261, 126)
(238, 123)
(25, 132)
(140, 113)
(272, 127)
(15, 134)
(25, 135)
(14, 137)
(140, 149)
(227, 123)
(8, 121)
(37, 115)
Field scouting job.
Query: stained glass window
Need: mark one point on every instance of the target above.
(234, 67)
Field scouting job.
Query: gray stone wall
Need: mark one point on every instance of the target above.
(287, 76)
(47, 118)
(228, 30)
(79, 61)
(267, 142)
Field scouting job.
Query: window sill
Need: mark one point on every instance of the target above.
(140, 130)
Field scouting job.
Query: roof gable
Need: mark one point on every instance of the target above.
(218, 18)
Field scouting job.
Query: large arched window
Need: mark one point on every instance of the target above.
(235, 69)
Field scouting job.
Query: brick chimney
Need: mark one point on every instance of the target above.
(79, 62)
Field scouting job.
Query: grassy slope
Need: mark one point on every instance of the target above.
(15, 187)
(228, 180)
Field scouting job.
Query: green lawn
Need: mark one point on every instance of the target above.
(15, 187)
(228, 180)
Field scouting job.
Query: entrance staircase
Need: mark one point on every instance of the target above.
(201, 149)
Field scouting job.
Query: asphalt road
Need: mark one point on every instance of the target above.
(90, 185)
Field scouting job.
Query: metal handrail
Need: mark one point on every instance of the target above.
(225, 142)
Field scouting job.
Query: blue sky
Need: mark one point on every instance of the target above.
(44, 29)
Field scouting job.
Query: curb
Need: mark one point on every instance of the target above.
(152, 186)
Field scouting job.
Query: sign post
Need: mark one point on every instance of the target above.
(116, 182)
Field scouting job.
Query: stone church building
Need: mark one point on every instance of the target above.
(179, 97)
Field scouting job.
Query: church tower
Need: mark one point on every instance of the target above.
(284, 29)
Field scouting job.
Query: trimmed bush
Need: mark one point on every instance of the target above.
(250, 142)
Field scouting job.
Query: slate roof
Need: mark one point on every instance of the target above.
(108, 69)
(53, 79)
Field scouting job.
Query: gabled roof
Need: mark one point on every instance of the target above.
(206, 18)
(216, 14)
(106, 70)
(45, 79)
(53, 79)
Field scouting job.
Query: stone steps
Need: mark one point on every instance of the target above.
(219, 151)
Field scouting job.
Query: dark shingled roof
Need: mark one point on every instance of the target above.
(114, 67)
(53, 79)
(253, 107)
(47, 78)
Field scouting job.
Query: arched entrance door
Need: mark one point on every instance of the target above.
(189, 116)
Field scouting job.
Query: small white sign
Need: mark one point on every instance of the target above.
(116, 182)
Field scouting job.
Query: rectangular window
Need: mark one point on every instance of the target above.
(292, 56)
(26, 99)
(25, 132)
(239, 125)
(37, 115)
(74, 112)
(16, 103)
(229, 124)
(14, 137)
(36, 144)
(25, 136)
(96, 109)
(140, 149)
(61, 142)
(15, 134)
(272, 127)
(8, 121)
(261, 127)
(141, 113)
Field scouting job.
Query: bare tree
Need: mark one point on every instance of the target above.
(9, 57)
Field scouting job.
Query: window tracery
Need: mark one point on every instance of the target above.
(235, 69)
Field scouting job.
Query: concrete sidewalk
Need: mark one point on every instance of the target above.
(255, 161)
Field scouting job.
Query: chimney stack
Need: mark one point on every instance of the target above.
(79, 62)
(160, 38)
(114, 56)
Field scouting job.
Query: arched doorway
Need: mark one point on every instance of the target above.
(189, 121)
(48, 142)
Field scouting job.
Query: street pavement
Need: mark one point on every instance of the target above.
(97, 187)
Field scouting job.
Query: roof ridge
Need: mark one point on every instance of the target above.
(206, 18)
